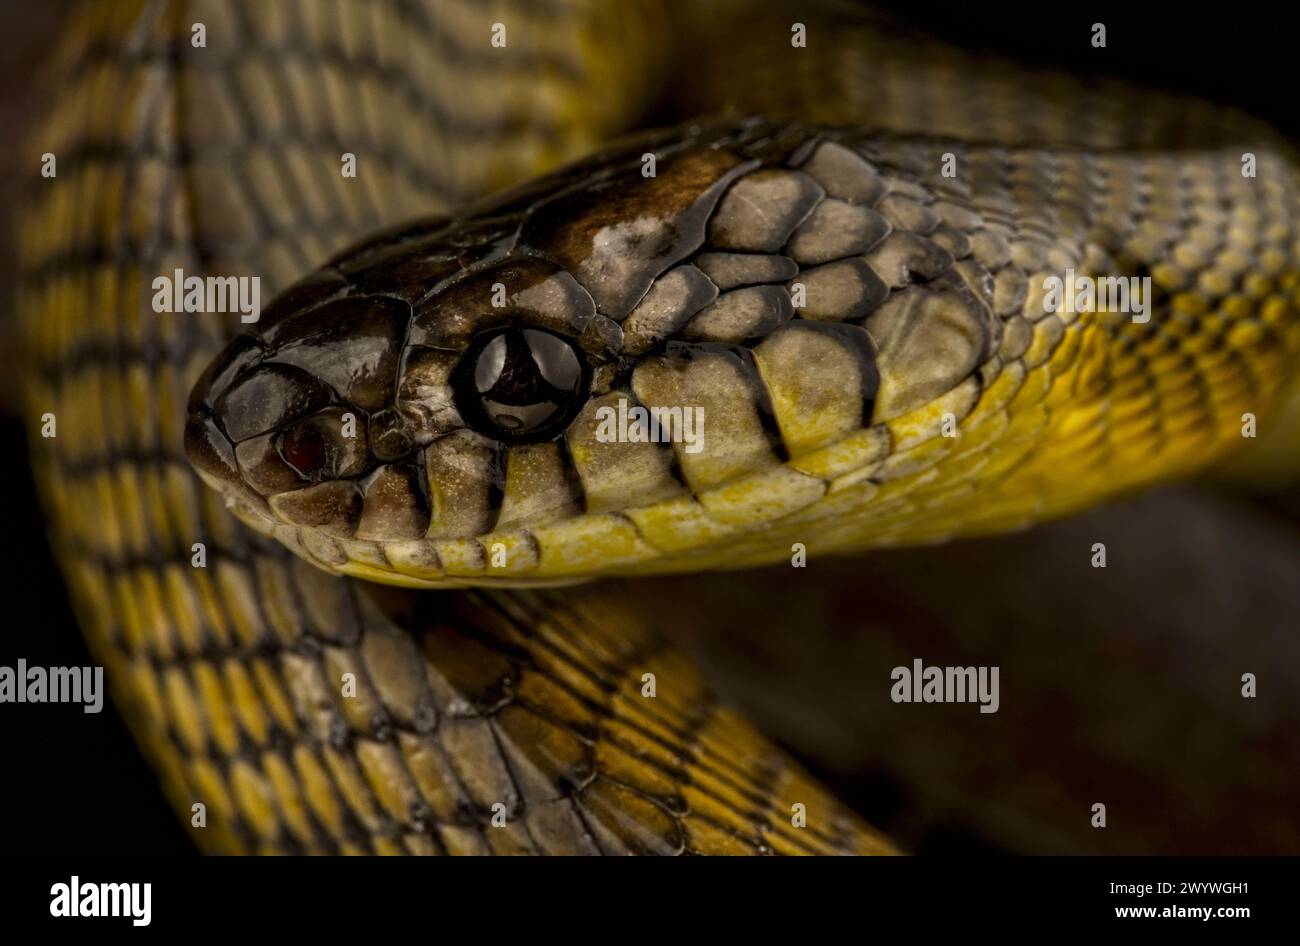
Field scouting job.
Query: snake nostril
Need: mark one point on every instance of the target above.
(303, 448)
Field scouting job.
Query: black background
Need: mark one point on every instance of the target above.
(72, 783)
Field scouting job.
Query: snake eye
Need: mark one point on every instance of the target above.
(520, 384)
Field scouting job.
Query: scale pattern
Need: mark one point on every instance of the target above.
(871, 342)
(225, 159)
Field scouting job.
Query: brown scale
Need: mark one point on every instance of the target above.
(528, 700)
(230, 674)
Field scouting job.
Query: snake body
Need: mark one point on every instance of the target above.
(866, 334)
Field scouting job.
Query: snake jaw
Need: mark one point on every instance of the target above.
(822, 417)
(490, 377)
(852, 340)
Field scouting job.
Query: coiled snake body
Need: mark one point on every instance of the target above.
(848, 281)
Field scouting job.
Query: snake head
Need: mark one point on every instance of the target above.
(628, 364)
(369, 413)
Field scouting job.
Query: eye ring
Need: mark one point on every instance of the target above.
(520, 384)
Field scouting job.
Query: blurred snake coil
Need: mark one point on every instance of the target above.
(798, 265)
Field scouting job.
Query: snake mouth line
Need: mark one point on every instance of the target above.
(742, 378)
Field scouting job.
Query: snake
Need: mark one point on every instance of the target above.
(340, 564)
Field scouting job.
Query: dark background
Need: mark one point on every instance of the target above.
(70, 782)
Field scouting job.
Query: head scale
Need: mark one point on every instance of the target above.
(582, 376)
